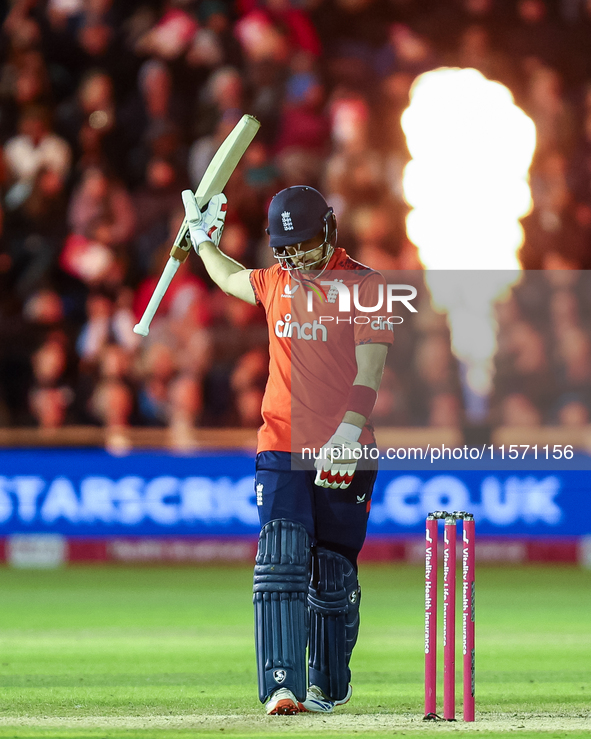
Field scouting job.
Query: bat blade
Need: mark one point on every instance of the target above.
(222, 165)
(212, 183)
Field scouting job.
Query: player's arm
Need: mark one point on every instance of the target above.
(371, 359)
(227, 273)
(338, 461)
(205, 230)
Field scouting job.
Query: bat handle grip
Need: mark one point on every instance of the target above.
(143, 327)
(182, 234)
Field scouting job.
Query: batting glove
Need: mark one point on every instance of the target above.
(338, 458)
(207, 226)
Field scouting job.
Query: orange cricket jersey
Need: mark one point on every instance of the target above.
(313, 331)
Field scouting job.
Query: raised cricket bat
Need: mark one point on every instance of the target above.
(212, 183)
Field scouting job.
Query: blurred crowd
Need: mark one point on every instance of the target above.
(543, 361)
(109, 108)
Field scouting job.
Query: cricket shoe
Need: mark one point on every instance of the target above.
(317, 702)
(282, 703)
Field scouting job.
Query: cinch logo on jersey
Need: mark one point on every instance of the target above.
(384, 322)
(289, 292)
(286, 219)
(308, 331)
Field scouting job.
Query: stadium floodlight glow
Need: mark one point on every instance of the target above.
(467, 185)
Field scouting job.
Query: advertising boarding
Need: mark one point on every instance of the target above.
(94, 494)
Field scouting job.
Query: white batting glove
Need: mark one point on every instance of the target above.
(207, 226)
(338, 458)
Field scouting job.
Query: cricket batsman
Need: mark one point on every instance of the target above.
(326, 363)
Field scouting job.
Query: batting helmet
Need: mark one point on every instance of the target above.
(298, 213)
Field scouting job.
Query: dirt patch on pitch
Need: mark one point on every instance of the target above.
(303, 725)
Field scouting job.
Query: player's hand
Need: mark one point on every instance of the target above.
(337, 463)
(207, 226)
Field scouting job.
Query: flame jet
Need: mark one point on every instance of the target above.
(468, 185)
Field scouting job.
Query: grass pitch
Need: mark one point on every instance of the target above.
(168, 652)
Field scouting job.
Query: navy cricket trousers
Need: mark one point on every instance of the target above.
(334, 519)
